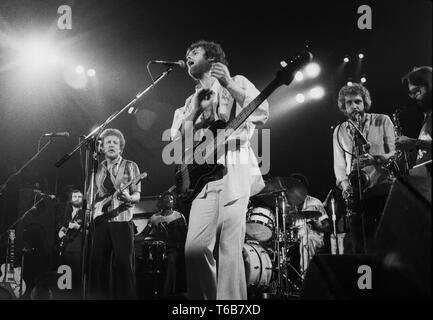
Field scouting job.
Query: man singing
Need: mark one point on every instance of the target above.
(113, 240)
(213, 249)
(370, 136)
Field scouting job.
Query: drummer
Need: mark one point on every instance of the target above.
(169, 226)
(308, 217)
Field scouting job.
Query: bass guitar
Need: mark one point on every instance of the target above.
(192, 177)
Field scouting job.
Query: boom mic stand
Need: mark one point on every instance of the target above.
(4, 185)
(90, 141)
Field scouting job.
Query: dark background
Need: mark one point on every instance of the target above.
(118, 38)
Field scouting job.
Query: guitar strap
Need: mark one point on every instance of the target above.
(232, 116)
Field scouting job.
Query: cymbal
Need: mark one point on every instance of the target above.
(294, 190)
(278, 184)
(305, 214)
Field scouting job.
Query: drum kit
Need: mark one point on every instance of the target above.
(271, 266)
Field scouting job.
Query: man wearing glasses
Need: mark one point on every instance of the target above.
(419, 85)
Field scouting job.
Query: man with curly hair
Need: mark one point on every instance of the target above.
(375, 136)
(112, 270)
(418, 84)
(217, 220)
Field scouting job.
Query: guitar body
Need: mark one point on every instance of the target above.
(10, 276)
(70, 236)
(10, 280)
(102, 212)
(191, 178)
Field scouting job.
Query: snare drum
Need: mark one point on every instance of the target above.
(260, 223)
(258, 266)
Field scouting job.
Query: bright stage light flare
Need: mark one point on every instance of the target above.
(299, 76)
(91, 72)
(317, 92)
(312, 70)
(346, 59)
(300, 98)
(35, 54)
(363, 79)
(79, 69)
(349, 83)
(360, 55)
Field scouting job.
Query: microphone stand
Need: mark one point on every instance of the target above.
(358, 145)
(4, 185)
(334, 224)
(90, 172)
(23, 216)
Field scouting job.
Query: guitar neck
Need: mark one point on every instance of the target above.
(234, 124)
(253, 105)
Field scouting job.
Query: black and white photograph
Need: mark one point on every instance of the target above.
(215, 157)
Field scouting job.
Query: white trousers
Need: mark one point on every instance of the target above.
(213, 249)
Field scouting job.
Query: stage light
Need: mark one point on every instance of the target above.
(299, 76)
(37, 54)
(79, 69)
(363, 79)
(349, 83)
(346, 59)
(360, 55)
(312, 70)
(300, 98)
(317, 92)
(91, 72)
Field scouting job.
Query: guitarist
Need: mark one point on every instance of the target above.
(218, 213)
(69, 237)
(113, 249)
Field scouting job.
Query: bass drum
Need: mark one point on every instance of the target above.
(258, 266)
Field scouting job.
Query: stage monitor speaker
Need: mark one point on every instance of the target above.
(354, 277)
(403, 238)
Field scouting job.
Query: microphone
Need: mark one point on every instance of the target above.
(56, 134)
(43, 194)
(179, 63)
(357, 131)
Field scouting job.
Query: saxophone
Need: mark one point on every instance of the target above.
(397, 164)
(362, 148)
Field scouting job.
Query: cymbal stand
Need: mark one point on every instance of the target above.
(334, 224)
(284, 282)
(305, 247)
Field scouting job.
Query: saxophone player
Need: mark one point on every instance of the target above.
(365, 141)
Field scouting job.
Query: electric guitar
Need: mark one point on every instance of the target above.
(191, 178)
(10, 278)
(70, 234)
(102, 213)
